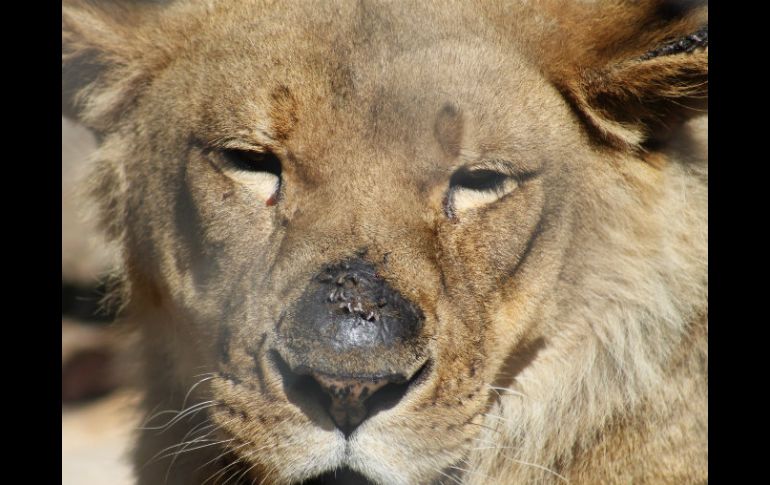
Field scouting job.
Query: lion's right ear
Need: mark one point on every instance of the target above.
(104, 59)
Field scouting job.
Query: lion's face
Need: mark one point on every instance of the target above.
(364, 225)
(349, 237)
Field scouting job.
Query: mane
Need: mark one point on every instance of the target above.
(622, 347)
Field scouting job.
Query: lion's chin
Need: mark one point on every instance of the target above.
(334, 462)
(342, 476)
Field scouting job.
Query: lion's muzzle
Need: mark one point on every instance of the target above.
(356, 336)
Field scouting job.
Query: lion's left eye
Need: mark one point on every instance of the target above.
(482, 180)
(470, 188)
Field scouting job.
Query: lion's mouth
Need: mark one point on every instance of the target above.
(311, 393)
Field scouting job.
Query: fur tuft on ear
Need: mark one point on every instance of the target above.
(105, 57)
(636, 102)
(631, 70)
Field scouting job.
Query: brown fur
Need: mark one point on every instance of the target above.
(565, 317)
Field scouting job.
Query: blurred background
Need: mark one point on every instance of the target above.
(98, 401)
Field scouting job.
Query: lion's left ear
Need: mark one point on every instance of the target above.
(105, 58)
(633, 102)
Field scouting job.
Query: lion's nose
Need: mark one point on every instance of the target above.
(351, 322)
(350, 306)
(351, 344)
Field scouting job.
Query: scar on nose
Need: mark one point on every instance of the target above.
(448, 129)
(283, 112)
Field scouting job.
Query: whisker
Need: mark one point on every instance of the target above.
(182, 443)
(156, 415)
(505, 389)
(225, 452)
(489, 428)
(192, 388)
(521, 462)
(245, 473)
(456, 480)
(498, 417)
(223, 470)
(192, 410)
(474, 472)
(540, 467)
(168, 470)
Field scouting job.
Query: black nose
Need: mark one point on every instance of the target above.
(349, 307)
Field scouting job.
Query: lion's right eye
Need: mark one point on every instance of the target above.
(251, 161)
(260, 171)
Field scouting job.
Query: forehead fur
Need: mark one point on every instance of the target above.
(112, 53)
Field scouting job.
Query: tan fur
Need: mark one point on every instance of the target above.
(565, 320)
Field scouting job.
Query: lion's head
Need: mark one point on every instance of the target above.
(411, 243)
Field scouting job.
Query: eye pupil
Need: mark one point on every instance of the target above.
(480, 179)
(266, 162)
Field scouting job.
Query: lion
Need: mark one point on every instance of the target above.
(406, 242)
